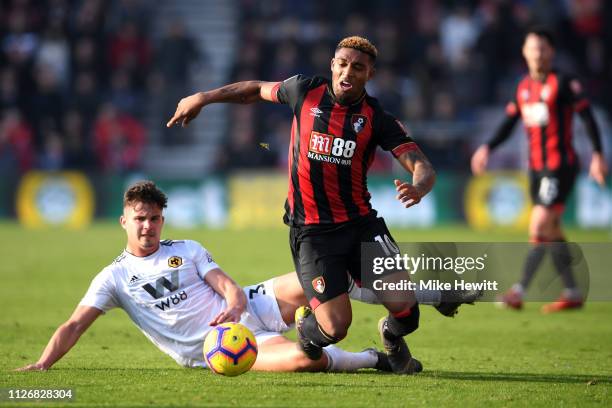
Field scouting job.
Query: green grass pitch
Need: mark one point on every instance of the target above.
(483, 357)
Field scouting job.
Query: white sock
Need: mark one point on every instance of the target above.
(344, 361)
(428, 297)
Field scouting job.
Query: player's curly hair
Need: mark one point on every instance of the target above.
(359, 44)
(145, 192)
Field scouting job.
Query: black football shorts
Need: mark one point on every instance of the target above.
(324, 254)
(552, 189)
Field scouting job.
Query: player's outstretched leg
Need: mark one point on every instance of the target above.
(281, 354)
(451, 300)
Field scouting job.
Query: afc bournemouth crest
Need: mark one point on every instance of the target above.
(318, 284)
(175, 261)
(358, 122)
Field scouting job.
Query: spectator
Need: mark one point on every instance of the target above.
(16, 144)
(118, 140)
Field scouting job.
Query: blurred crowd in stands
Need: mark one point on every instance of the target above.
(75, 82)
(79, 77)
(440, 62)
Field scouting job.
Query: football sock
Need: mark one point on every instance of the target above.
(341, 360)
(532, 262)
(562, 259)
(403, 323)
(423, 296)
(313, 332)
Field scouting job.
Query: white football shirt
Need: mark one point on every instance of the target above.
(165, 295)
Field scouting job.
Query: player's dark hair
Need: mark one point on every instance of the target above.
(360, 44)
(542, 32)
(145, 192)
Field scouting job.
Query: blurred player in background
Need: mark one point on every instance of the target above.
(546, 101)
(174, 292)
(336, 129)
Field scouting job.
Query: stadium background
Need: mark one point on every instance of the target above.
(86, 87)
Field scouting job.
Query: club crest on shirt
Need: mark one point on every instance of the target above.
(358, 122)
(318, 284)
(175, 261)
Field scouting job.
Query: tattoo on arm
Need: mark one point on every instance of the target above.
(423, 174)
(239, 92)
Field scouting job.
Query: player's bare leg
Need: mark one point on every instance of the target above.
(313, 335)
(282, 354)
(289, 295)
(335, 316)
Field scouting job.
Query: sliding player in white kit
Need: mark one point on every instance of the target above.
(174, 292)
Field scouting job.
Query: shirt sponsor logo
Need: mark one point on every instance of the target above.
(320, 143)
(331, 149)
(535, 114)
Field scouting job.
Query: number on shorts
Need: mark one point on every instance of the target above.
(387, 244)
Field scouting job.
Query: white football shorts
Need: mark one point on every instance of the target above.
(263, 315)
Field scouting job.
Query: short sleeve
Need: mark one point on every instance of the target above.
(394, 137)
(102, 293)
(290, 90)
(202, 259)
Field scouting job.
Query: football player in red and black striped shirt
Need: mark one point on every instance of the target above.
(546, 101)
(336, 128)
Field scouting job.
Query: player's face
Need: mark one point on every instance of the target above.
(143, 224)
(351, 69)
(538, 53)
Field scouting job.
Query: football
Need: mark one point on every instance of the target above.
(230, 349)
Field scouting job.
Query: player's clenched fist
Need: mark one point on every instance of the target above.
(187, 109)
(407, 194)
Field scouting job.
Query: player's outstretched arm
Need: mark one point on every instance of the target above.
(423, 177)
(233, 294)
(480, 158)
(240, 92)
(64, 338)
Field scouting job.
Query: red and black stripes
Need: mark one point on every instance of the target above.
(547, 112)
(330, 189)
